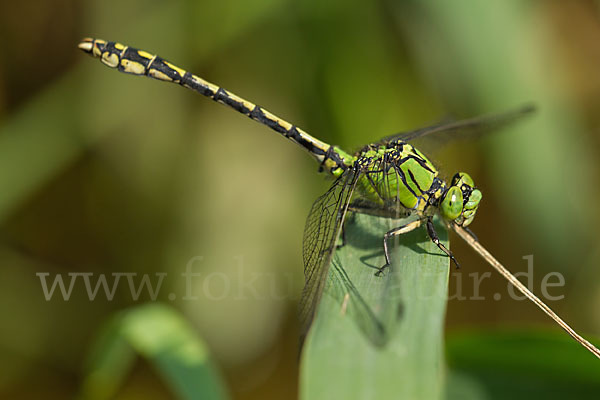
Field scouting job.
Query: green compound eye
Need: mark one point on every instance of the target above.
(452, 205)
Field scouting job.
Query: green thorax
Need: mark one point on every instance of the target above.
(399, 177)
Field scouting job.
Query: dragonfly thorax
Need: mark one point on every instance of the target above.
(396, 179)
(399, 179)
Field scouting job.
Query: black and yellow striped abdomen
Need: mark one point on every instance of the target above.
(138, 62)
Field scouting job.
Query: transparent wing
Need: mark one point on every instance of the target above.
(321, 232)
(476, 126)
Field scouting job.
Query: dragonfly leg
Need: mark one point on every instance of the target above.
(342, 237)
(351, 215)
(470, 232)
(395, 232)
(435, 239)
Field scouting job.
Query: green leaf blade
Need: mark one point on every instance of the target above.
(537, 363)
(386, 343)
(164, 338)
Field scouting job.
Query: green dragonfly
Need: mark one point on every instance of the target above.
(389, 178)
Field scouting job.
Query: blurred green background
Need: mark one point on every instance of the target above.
(105, 173)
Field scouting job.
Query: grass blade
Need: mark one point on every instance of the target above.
(379, 337)
(537, 363)
(159, 334)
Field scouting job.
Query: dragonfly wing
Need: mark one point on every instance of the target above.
(321, 232)
(471, 126)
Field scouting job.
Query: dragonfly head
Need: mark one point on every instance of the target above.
(460, 201)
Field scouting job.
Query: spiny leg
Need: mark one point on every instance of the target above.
(395, 232)
(435, 239)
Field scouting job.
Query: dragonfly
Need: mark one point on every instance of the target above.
(389, 178)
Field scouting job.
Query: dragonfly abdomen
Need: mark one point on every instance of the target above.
(138, 62)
